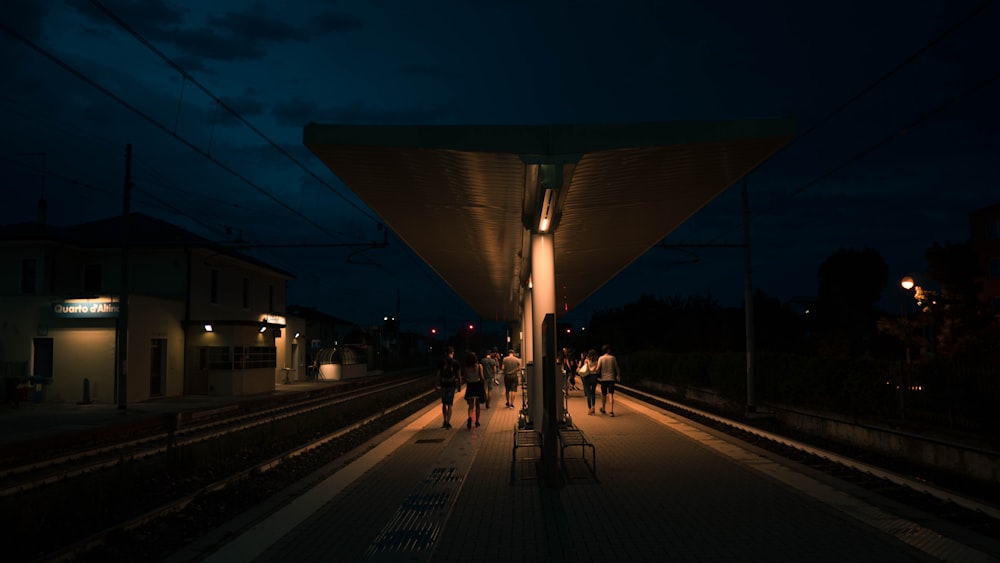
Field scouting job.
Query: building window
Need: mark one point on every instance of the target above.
(29, 274)
(92, 278)
(246, 293)
(250, 357)
(216, 357)
(213, 291)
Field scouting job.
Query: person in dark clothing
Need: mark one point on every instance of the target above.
(475, 387)
(449, 379)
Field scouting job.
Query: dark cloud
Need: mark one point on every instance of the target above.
(426, 70)
(208, 43)
(140, 14)
(281, 66)
(295, 113)
(332, 22)
(257, 25)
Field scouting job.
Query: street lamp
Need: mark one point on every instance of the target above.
(907, 284)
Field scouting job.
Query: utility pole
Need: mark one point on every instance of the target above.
(748, 304)
(121, 345)
(747, 298)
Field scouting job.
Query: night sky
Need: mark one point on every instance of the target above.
(896, 104)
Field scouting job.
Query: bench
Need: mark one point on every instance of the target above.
(524, 438)
(572, 438)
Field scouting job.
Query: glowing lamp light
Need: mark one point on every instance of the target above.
(907, 283)
(545, 215)
(263, 328)
(208, 327)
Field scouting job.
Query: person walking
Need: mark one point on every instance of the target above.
(569, 366)
(449, 379)
(490, 374)
(588, 372)
(511, 367)
(608, 374)
(475, 390)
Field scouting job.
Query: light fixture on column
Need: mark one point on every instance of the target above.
(548, 209)
(263, 327)
(208, 327)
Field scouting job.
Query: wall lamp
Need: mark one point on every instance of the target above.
(208, 327)
(548, 209)
(263, 327)
(297, 334)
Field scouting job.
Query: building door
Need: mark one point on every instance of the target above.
(41, 363)
(196, 374)
(157, 367)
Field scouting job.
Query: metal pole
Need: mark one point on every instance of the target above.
(121, 345)
(904, 373)
(748, 305)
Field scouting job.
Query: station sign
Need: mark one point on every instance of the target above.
(85, 310)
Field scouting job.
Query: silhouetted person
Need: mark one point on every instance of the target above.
(608, 374)
(475, 387)
(449, 378)
(588, 371)
(511, 367)
(490, 374)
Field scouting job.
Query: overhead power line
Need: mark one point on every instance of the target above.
(922, 117)
(187, 77)
(65, 66)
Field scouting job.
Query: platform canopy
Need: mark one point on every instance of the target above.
(467, 198)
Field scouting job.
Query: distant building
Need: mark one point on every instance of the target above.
(984, 236)
(202, 319)
(322, 331)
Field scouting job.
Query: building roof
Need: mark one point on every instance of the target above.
(465, 198)
(144, 231)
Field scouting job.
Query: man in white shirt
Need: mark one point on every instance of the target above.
(609, 374)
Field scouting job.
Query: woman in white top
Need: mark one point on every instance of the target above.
(588, 371)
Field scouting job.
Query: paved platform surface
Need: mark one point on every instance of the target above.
(664, 490)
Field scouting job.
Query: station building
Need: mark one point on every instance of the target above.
(201, 318)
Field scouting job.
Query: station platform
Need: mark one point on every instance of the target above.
(664, 489)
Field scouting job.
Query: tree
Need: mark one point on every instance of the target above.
(776, 326)
(956, 320)
(850, 283)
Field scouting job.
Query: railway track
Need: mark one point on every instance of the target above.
(95, 502)
(167, 522)
(959, 501)
(178, 430)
